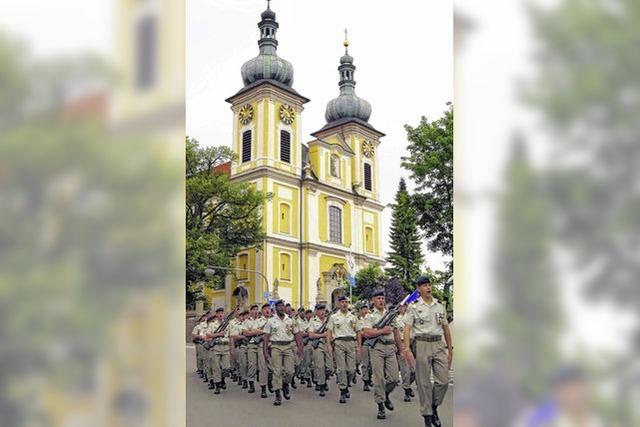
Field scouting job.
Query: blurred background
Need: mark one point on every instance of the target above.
(547, 213)
(91, 219)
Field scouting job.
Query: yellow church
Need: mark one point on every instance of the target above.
(322, 220)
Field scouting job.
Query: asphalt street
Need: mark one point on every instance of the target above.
(234, 407)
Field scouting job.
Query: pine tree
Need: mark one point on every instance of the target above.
(405, 257)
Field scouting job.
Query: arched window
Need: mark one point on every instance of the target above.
(335, 224)
(285, 218)
(367, 177)
(285, 146)
(285, 266)
(246, 146)
(334, 166)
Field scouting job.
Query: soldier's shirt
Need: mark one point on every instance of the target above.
(199, 329)
(303, 325)
(342, 325)
(402, 320)
(315, 323)
(360, 323)
(373, 318)
(235, 327)
(280, 329)
(211, 329)
(426, 319)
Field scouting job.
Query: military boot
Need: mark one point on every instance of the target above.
(407, 395)
(245, 384)
(427, 420)
(323, 387)
(263, 393)
(343, 397)
(278, 400)
(365, 387)
(293, 383)
(435, 420)
(387, 402)
(381, 414)
(211, 385)
(218, 386)
(252, 388)
(285, 391)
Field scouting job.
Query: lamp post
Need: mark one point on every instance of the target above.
(211, 270)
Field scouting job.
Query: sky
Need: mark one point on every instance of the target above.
(403, 57)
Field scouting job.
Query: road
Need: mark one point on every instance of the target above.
(234, 407)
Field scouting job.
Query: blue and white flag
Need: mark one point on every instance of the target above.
(411, 297)
(351, 280)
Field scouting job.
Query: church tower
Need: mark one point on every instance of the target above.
(267, 140)
(322, 216)
(344, 196)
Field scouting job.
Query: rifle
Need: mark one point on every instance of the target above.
(209, 344)
(315, 342)
(388, 317)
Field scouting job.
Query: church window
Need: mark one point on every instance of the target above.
(246, 146)
(335, 224)
(146, 51)
(285, 146)
(367, 177)
(334, 168)
(285, 218)
(285, 266)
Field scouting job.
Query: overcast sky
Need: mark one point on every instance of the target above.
(403, 56)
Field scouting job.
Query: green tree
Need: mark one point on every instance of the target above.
(367, 279)
(430, 162)
(526, 317)
(405, 257)
(222, 217)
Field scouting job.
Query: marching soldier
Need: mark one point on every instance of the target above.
(427, 319)
(239, 349)
(363, 355)
(341, 331)
(256, 364)
(307, 348)
(406, 370)
(384, 363)
(211, 320)
(197, 337)
(322, 361)
(281, 333)
(219, 363)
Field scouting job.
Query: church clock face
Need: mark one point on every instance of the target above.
(367, 149)
(287, 114)
(245, 115)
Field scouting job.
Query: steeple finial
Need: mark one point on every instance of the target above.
(346, 41)
(268, 4)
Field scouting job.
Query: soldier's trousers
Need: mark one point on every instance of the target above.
(431, 356)
(219, 361)
(307, 361)
(384, 366)
(345, 357)
(322, 364)
(200, 356)
(241, 361)
(405, 372)
(256, 364)
(283, 357)
(365, 362)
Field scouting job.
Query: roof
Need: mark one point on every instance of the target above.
(343, 121)
(275, 83)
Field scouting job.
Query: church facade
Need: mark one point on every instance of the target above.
(322, 217)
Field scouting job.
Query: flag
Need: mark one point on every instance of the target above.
(411, 297)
